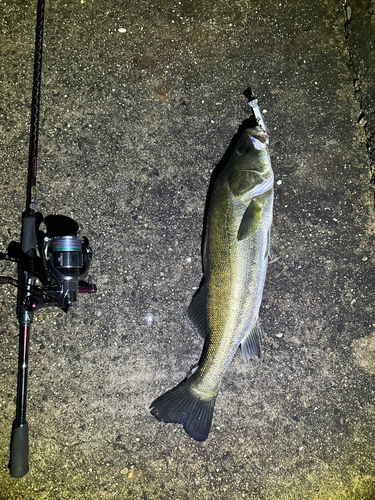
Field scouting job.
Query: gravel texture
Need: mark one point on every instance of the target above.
(140, 101)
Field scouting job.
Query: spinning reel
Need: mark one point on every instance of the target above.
(67, 260)
(61, 269)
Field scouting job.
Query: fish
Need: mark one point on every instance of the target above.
(235, 253)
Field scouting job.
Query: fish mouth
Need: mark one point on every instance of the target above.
(258, 133)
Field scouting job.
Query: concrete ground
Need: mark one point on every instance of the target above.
(140, 100)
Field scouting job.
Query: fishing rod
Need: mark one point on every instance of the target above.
(52, 265)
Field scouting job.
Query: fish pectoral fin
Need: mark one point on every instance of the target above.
(197, 316)
(251, 342)
(250, 220)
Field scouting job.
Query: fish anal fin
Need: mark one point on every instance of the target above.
(250, 220)
(268, 252)
(250, 344)
(196, 313)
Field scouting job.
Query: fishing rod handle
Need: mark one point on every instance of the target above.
(19, 451)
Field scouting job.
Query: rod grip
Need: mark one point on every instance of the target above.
(19, 451)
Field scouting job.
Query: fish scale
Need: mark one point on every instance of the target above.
(228, 330)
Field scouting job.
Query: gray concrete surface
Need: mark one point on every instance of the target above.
(133, 124)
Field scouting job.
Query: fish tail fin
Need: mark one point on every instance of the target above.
(183, 405)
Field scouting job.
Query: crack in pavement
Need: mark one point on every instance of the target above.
(358, 65)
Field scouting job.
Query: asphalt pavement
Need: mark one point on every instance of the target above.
(139, 103)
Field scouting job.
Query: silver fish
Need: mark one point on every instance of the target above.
(235, 254)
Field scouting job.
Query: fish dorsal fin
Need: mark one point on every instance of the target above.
(251, 342)
(250, 220)
(197, 313)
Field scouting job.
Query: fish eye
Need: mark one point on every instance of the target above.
(242, 150)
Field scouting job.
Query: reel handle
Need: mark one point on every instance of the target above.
(19, 451)
(87, 288)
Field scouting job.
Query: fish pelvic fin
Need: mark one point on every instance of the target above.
(250, 220)
(184, 405)
(197, 316)
(250, 344)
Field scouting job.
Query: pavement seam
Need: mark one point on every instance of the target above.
(363, 115)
